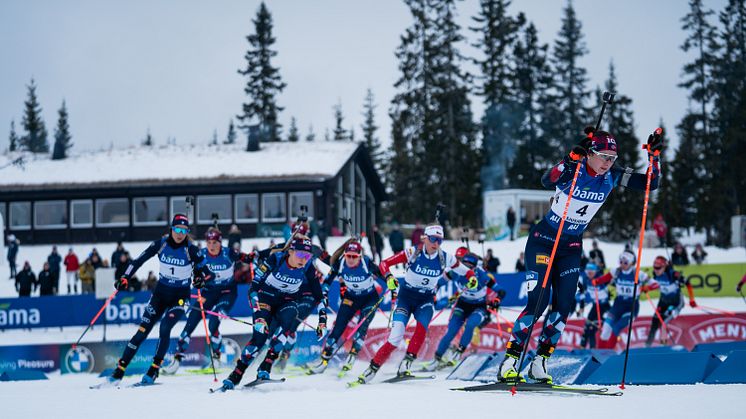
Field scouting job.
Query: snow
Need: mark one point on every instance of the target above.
(327, 397)
(161, 164)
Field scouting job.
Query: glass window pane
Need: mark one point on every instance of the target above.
(50, 214)
(3, 214)
(301, 198)
(82, 213)
(178, 206)
(149, 211)
(273, 207)
(20, 215)
(247, 208)
(112, 212)
(209, 207)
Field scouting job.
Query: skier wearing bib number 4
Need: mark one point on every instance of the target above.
(179, 258)
(426, 265)
(596, 179)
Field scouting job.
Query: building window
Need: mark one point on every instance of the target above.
(300, 198)
(82, 213)
(3, 214)
(20, 216)
(178, 206)
(273, 207)
(112, 212)
(149, 211)
(214, 206)
(50, 214)
(247, 208)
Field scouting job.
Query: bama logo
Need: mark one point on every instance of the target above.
(426, 271)
(589, 195)
(126, 310)
(170, 260)
(719, 330)
(18, 316)
(79, 360)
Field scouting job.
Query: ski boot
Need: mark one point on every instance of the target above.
(150, 376)
(508, 370)
(454, 356)
(350, 361)
(235, 376)
(320, 367)
(405, 366)
(282, 361)
(538, 370)
(368, 375)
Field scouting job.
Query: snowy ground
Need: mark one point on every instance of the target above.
(327, 397)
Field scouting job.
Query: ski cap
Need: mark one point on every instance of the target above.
(180, 220)
(591, 267)
(628, 257)
(213, 234)
(660, 261)
(602, 141)
(354, 248)
(301, 244)
(461, 252)
(434, 230)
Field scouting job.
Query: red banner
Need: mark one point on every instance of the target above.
(686, 331)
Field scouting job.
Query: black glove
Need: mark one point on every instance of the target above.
(342, 289)
(247, 257)
(198, 281)
(322, 323)
(655, 142)
(121, 284)
(495, 303)
(501, 294)
(577, 154)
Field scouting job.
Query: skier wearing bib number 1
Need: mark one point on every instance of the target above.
(597, 178)
(426, 264)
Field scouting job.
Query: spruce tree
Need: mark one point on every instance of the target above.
(293, 134)
(311, 136)
(35, 137)
(688, 177)
(369, 129)
(340, 134)
(571, 95)
(264, 83)
(13, 139)
(148, 141)
(230, 138)
(663, 200)
(214, 140)
(62, 137)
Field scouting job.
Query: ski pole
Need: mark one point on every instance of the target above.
(360, 323)
(207, 335)
(101, 310)
(598, 314)
(455, 298)
(214, 313)
(660, 318)
(742, 296)
(717, 310)
(659, 131)
(524, 350)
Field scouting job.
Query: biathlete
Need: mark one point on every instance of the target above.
(590, 291)
(179, 258)
(426, 265)
(470, 311)
(357, 275)
(669, 282)
(597, 177)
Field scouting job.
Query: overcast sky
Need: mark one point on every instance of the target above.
(170, 66)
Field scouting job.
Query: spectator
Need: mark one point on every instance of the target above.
(54, 259)
(116, 256)
(322, 233)
(661, 230)
(13, 245)
(396, 239)
(71, 269)
(234, 236)
(491, 263)
(597, 256)
(699, 254)
(26, 281)
(87, 274)
(151, 282)
(134, 284)
(583, 260)
(47, 285)
(375, 241)
(510, 218)
(520, 264)
(417, 234)
(679, 256)
(121, 265)
(95, 259)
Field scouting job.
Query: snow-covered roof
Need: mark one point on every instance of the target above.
(311, 161)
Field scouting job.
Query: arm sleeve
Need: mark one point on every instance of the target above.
(314, 284)
(374, 269)
(265, 268)
(401, 257)
(627, 178)
(604, 279)
(148, 253)
(559, 173)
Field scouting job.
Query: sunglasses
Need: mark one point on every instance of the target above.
(658, 267)
(351, 255)
(180, 230)
(303, 254)
(435, 239)
(606, 157)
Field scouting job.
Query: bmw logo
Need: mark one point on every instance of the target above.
(79, 359)
(231, 350)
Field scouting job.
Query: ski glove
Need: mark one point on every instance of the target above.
(121, 284)
(391, 282)
(247, 257)
(655, 142)
(322, 323)
(342, 289)
(198, 281)
(577, 154)
(472, 283)
(495, 303)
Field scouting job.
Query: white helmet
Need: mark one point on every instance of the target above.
(628, 257)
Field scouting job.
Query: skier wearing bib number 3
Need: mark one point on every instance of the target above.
(597, 178)
(426, 264)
